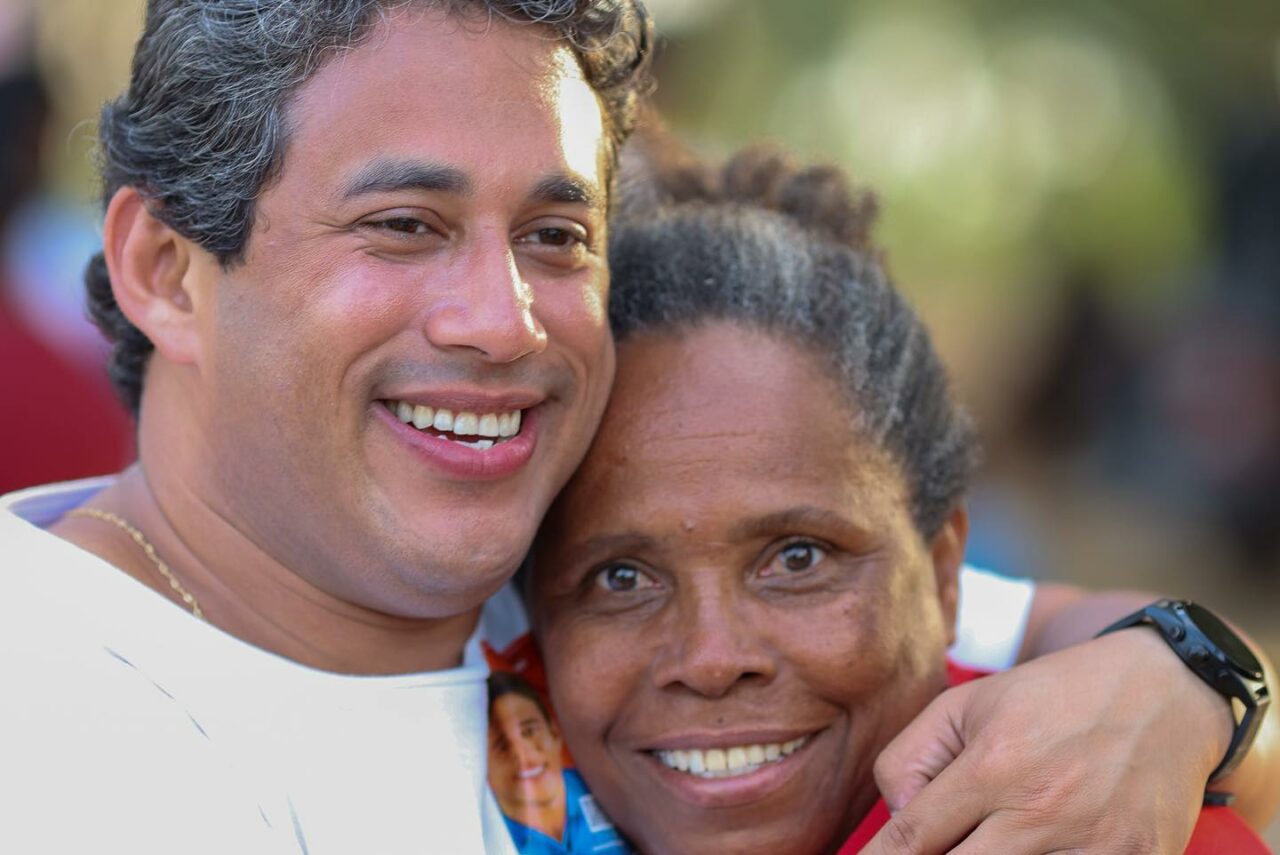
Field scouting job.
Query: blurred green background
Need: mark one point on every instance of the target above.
(1082, 198)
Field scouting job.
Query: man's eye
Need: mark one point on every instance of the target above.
(555, 237)
(797, 558)
(623, 578)
(402, 225)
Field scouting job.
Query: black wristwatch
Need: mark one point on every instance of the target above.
(1217, 656)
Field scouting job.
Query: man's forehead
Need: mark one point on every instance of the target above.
(430, 104)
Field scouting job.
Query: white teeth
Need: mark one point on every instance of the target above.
(727, 762)
(481, 444)
(466, 424)
(494, 426)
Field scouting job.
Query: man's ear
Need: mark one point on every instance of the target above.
(947, 551)
(149, 264)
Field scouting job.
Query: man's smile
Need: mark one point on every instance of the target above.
(443, 423)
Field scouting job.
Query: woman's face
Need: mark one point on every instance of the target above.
(735, 609)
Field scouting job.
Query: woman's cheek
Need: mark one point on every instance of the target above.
(583, 671)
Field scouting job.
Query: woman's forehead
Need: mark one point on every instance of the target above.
(725, 417)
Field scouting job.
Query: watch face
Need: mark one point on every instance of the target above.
(1220, 634)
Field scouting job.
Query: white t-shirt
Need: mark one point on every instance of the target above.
(127, 725)
(991, 619)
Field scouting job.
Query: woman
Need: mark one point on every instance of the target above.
(748, 588)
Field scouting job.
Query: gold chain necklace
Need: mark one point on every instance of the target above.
(150, 551)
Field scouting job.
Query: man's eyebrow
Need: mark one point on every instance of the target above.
(387, 176)
(567, 188)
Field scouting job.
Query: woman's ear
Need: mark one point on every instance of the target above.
(947, 551)
(149, 264)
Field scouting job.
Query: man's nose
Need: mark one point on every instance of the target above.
(527, 756)
(713, 647)
(486, 306)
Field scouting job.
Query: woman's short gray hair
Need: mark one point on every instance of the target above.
(787, 251)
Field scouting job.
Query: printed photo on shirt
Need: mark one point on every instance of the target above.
(543, 798)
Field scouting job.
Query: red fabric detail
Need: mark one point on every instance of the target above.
(519, 657)
(875, 819)
(1221, 831)
(957, 674)
(60, 422)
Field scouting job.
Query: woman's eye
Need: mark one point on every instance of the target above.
(799, 557)
(623, 578)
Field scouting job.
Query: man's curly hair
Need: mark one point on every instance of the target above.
(202, 128)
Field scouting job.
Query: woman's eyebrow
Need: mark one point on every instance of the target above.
(800, 518)
(622, 543)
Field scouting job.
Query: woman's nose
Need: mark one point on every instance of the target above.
(713, 647)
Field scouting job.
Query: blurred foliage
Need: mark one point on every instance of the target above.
(1008, 140)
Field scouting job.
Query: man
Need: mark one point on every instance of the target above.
(354, 270)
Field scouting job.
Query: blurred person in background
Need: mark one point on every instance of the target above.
(61, 420)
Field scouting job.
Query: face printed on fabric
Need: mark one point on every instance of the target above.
(414, 353)
(525, 767)
(735, 608)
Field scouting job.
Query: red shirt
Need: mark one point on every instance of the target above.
(59, 422)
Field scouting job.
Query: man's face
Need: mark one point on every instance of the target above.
(414, 354)
(525, 770)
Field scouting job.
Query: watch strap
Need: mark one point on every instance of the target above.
(1224, 663)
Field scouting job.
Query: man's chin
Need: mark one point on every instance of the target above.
(444, 593)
